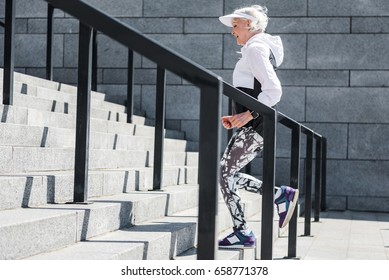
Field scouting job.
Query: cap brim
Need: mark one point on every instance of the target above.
(227, 19)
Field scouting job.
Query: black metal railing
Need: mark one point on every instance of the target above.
(211, 88)
(49, 42)
(321, 151)
(9, 35)
(49, 49)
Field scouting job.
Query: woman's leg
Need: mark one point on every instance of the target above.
(248, 182)
(242, 148)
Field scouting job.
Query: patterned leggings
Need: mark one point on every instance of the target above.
(243, 147)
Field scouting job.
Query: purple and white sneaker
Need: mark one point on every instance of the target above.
(285, 199)
(238, 240)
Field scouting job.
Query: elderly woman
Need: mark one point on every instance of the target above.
(254, 74)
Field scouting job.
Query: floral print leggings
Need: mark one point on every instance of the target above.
(242, 148)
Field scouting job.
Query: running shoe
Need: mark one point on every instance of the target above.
(285, 199)
(238, 240)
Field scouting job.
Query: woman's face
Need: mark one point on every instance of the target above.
(241, 30)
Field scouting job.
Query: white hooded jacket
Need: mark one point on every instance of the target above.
(255, 63)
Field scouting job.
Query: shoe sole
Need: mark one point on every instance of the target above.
(291, 209)
(237, 247)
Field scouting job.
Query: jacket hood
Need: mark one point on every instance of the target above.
(273, 42)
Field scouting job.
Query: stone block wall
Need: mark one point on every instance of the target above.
(335, 75)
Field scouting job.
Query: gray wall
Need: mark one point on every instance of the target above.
(335, 75)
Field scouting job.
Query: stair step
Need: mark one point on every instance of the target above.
(17, 160)
(25, 83)
(34, 117)
(26, 232)
(53, 100)
(163, 238)
(29, 231)
(122, 218)
(21, 135)
(99, 108)
(39, 188)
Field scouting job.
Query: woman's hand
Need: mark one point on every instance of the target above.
(226, 122)
(237, 120)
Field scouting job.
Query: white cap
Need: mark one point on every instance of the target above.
(227, 19)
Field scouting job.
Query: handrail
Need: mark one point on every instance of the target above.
(246, 100)
(49, 50)
(210, 108)
(133, 39)
(211, 86)
(289, 122)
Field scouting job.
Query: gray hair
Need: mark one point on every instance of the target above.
(259, 13)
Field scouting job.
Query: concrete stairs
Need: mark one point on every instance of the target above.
(123, 218)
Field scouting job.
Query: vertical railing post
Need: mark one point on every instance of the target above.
(130, 86)
(308, 185)
(269, 154)
(83, 114)
(229, 131)
(159, 129)
(294, 183)
(94, 60)
(318, 178)
(9, 38)
(209, 156)
(49, 43)
(324, 176)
